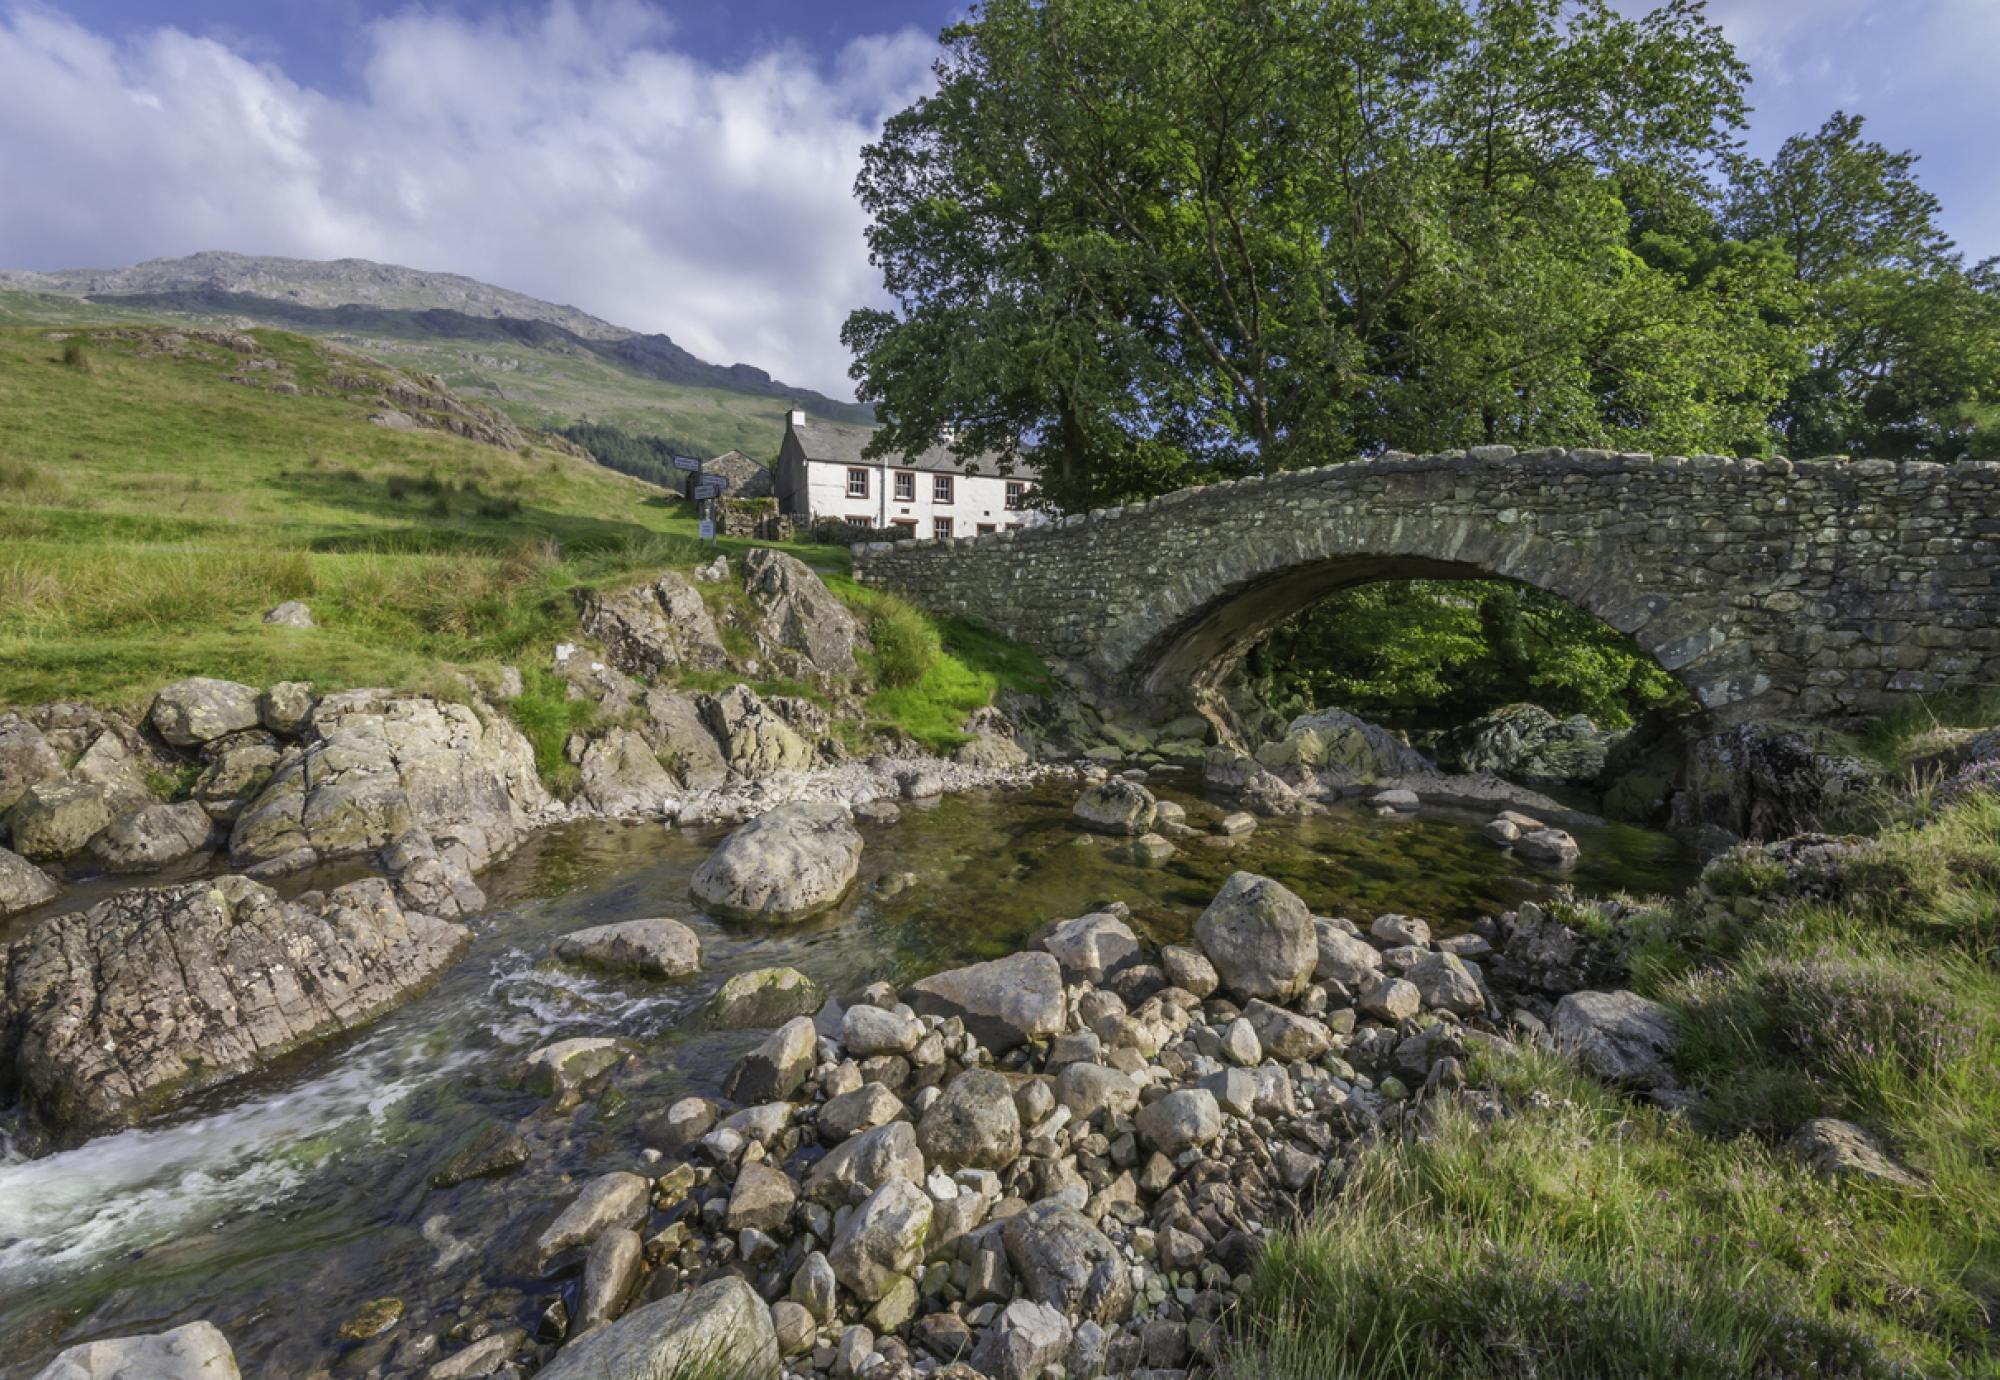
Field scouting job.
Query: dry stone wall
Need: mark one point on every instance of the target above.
(1813, 590)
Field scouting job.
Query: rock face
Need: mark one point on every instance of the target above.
(1116, 806)
(800, 613)
(722, 1328)
(654, 948)
(1619, 1036)
(1757, 783)
(376, 766)
(756, 740)
(108, 1010)
(782, 865)
(189, 713)
(23, 886)
(1524, 742)
(1353, 750)
(1260, 938)
(622, 775)
(653, 628)
(1004, 1003)
(196, 1351)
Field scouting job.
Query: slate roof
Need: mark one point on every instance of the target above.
(841, 443)
(744, 476)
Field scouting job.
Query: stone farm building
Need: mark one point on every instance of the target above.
(744, 477)
(822, 474)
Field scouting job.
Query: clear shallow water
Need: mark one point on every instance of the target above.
(278, 1207)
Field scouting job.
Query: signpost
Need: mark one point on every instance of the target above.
(709, 488)
(688, 463)
(708, 529)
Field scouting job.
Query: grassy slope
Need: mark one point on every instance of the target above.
(151, 511)
(536, 387)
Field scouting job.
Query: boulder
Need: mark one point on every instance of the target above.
(1552, 846)
(567, 1065)
(153, 836)
(1354, 751)
(57, 819)
(882, 1240)
(1180, 1121)
(851, 1113)
(1286, 1035)
(1190, 970)
(1090, 1090)
(620, 775)
(191, 712)
(866, 1031)
(1390, 999)
(762, 1197)
(775, 1069)
(1260, 938)
(27, 758)
(1092, 948)
(1004, 1003)
(615, 1200)
(110, 762)
(762, 998)
(610, 1269)
(756, 739)
(1836, 1148)
(653, 628)
(1344, 958)
(284, 708)
(194, 1351)
(290, 614)
(801, 614)
(1757, 782)
(721, 1328)
(23, 886)
(860, 1165)
(1619, 1036)
(682, 740)
(374, 766)
(1024, 1342)
(783, 865)
(657, 948)
(1446, 984)
(1524, 742)
(990, 751)
(974, 1124)
(107, 1011)
(1063, 1261)
(1116, 806)
(239, 767)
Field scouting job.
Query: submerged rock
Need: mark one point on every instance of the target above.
(106, 1012)
(654, 948)
(1116, 806)
(764, 997)
(722, 1328)
(195, 1351)
(782, 865)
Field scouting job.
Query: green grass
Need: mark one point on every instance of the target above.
(1927, 726)
(1590, 1235)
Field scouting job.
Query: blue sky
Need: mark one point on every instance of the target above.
(671, 165)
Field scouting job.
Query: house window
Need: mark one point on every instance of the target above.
(906, 487)
(860, 522)
(1017, 493)
(857, 482)
(907, 526)
(940, 488)
(984, 528)
(941, 528)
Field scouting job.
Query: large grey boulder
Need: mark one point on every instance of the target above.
(974, 1124)
(621, 775)
(608, 1202)
(1352, 750)
(27, 758)
(54, 820)
(374, 766)
(882, 1240)
(783, 865)
(763, 998)
(775, 1069)
(153, 836)
(1023, 1343)
(1063, 1261)
(1092, 948)
(801, 614)
(1116, 806)
(1005, 1003)
(653, 628)
(757, 741)
(118, 765)
(23, 886)
(193, 1351)
(862, 1164)
(1446, 984)
(1260, 937)
(108, 1011)
(1343, 957)
(1525, 742)
(720, 1329)
(1619, 1036)
(191, 712)
(658, 948)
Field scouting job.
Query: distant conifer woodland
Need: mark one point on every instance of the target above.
(1147, 246)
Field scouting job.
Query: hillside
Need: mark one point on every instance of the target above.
(545, 365)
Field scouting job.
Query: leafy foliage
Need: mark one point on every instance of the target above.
(650, 458)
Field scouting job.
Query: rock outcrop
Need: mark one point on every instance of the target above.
(1525, 742)
(23, 886)
(800, 615)
(655, 627)
(106, 1012)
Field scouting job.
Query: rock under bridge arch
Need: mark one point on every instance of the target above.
(1823, 590)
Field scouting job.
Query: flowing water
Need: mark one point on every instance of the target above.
(277, 1207)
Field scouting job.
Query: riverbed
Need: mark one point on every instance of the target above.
(276, 1207)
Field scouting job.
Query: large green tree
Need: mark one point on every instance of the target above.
(1146, 242)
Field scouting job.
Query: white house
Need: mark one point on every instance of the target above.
(821, 473)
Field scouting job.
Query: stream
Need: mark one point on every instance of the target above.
(276, 1207)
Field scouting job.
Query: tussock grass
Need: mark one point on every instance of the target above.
(907, 644)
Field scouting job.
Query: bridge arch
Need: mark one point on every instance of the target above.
(1810, 591)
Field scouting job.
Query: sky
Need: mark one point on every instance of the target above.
(681, 166)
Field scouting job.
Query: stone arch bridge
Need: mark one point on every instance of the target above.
(1807, 591)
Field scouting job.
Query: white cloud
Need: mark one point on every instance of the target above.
(570, 152)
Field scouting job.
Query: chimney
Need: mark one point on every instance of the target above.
(795, 416)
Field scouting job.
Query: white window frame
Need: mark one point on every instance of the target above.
(857, 481)
(906, 486)
(942, 488)
(1017, 494)
(941, 528)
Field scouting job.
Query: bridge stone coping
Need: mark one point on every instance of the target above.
(1829, 589)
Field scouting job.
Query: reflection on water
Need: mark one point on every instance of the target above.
(310, 1184)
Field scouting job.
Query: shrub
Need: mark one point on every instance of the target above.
(906, 643)
(77, 357)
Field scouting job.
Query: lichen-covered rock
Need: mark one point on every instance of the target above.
(107, 1011)
(1260, 937)
(193, 1351)
(762, 998)
(1180, 1121)
(1004, 1003)
(54, 820)
(883, 1239)
(777, 1067)
(1065, 1262)
(756, 740)
(1446, 984)
(608, 1201)
(721, 1328)
(27, 758)
(1525, 742)
(1836, 1148)
(374, 765)
(974, 1124)
(1352, 750)
(783, 865)
(284, 708)
(801, 614)
(239, 767)
(23, 886)
(1755, 782)
(199, 710)
(621, 775)
(1116, 806)
(658, 948)
(653, 628)
(863, 1163)
(290, 614)
(566, 1065)
(153, 836)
